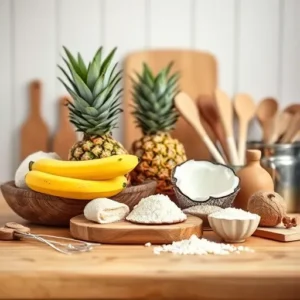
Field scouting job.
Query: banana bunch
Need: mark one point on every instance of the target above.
(98, 178)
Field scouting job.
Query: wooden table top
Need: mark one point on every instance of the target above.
(30, 270)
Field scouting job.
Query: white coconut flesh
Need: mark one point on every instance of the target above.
(200, 180)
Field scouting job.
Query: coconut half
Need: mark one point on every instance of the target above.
(200, 181)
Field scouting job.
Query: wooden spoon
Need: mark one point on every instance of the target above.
(34, 131)
(292, 130)
(208, 109)
(65, 137)
(265, 113)
(188, 109)
(226, 113)
(281, 123)
(293, 108)
(245, 109)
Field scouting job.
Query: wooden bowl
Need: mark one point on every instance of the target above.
(44, 209)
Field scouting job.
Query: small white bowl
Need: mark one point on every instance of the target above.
(233, 231)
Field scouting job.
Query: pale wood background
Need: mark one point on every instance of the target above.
(256, 43)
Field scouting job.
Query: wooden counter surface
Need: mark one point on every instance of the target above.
(30, 270)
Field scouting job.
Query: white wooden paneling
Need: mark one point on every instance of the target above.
(290, 61)
(6, 137)
(34, 57)
(79, 28)
(258, 51)
(215, 32)
(170, 23)
(258, 48)
(133, 23)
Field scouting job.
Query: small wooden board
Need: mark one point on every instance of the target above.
(280, 233)
(124, 232)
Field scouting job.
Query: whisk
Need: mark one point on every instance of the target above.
(14, 231)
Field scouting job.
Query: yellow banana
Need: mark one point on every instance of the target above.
(95, 169)
(74, 188)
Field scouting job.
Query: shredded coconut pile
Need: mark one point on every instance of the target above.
(202, 209)
(231, 213)
(196, 246)
(156, 209)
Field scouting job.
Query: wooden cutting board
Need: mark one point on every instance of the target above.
(280, 233)
(65, 136)
(124, 232)
(34, 132)
(198, 76)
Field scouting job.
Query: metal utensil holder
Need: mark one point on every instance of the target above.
(282, 161)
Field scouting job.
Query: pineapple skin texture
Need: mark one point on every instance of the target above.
(93, 147)
(158, 154)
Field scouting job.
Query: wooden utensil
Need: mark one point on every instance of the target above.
(188, 110)
(65, 137)
(265, 113)
(198, 75)
(296, 137)
(281, 124)
(34, 132)
(292, 130)
(293, 108)
(124, 232)
(245, 109)
(209, 112)
(226, 112)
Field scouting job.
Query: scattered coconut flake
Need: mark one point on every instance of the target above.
(199, 246)
(156, 209)
(198, 210)
(147, 244)
(231, 213)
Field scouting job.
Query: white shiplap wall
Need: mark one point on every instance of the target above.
(256, 43)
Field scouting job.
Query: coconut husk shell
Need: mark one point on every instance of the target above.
(270, 206)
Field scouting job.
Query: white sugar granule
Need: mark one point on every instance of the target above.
(231, 213)
(196, 246)
(202, 209)
(156, 209)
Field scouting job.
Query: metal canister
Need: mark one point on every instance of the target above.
(283, 163)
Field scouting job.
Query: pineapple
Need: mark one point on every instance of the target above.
(95, 107)
(156, 116)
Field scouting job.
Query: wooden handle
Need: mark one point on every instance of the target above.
(292, 129)
(218, 130)
(234, 159)
(213, 150)
(243, 128)
(296, 137)
(35, 97)
(226, 113)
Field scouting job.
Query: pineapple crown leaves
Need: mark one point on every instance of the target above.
(153, 99)
(95, 92)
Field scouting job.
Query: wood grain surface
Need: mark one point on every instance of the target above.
(29, 270)
(198, 76)
(279, 233)
(125, 233)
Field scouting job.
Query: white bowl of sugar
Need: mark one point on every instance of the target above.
(233, 225)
